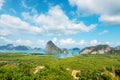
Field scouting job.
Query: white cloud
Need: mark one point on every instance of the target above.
(23, 42)
(55, 40)
(70, 43)
(4, 40)
(26, 15)
(1, 3)
(108, 42)
(4, 32)
(97, 6)
(94, 42)
(110, 19)
(34, 11)
(108, 10)
(82, 42)
(23, 4)
(57, 22)
(41, 43)
(67, 42)
(16, 24)
(103, 32)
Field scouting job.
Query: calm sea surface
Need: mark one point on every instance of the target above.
(42, 51)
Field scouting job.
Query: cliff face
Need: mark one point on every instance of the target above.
(99, 49)
(51, 48)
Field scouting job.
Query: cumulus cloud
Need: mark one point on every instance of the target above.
(16, 24)
(82, 42)
(1, 3)
(55, 40)
(68, 41)
(110, 19)
(41, 43)
(108, 10)
(103, 32)
(94, 42)
(4, 32)
(108, 42)
(26, 16)
(23, 42)
(97, 6)
(57, 22)
(23, 4)
(4, 40)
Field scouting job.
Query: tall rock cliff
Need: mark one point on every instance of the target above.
(51, 48)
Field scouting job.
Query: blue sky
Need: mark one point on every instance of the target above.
(68, 23)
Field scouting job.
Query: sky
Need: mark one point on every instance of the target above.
(68, 23)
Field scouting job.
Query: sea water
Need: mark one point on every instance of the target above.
(70, 54)
(24, 51)
(42, 51)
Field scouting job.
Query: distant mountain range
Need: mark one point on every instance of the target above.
(19, 47)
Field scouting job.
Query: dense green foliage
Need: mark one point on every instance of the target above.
(18, 66)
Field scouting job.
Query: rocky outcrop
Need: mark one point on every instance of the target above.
(38, 68)
(64, 50)
(99, 49)
(74, 74)
(51, 48)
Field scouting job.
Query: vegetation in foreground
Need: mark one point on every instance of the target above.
(17, 66)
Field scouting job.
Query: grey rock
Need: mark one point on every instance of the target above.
(51, 48)
(65, 51)
(99, 49)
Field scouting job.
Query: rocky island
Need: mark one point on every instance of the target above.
(51, 48)
(99, 49)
